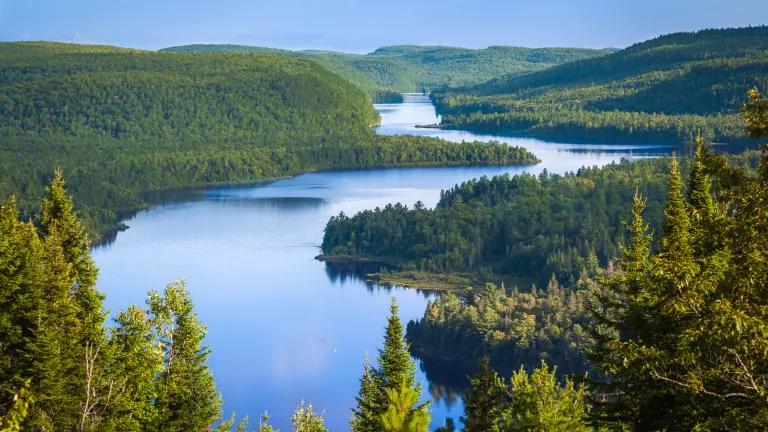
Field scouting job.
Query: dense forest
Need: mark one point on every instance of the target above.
(63, 368)
(669, 89)
(521, 229)
(388, 71)
(125, 122)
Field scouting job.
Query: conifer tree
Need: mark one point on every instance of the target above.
(187, 397)
(396, 378)
(396, 367)
(305, 419)
(539, 403)
(137, 361)
(484, 400)
(403, 412)
(366, 415)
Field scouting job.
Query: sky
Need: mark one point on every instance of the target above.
(362, 26)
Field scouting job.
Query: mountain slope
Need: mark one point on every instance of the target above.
(125, 122)
(667, 88)
(407, 68)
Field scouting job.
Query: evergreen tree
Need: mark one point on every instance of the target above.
(539, 403)
(305, 419)
(403, 413)
(396, 377)
(396, 367)
(689, 348)
(484, 400)
(264, 424)
(137, 361)
(366, 416)
(187, 397)
(21, 290)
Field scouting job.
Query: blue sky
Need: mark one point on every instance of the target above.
(361, 26)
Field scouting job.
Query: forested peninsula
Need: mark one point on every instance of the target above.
(124, 122)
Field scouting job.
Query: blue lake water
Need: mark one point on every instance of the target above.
(282, 326)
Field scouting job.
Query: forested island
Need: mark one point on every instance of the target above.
(124, 122)
(667, 89)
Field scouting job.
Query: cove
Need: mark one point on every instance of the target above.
(282, 326)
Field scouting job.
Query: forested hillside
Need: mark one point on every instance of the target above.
(665, 89)
(407, 68)
(123, 122)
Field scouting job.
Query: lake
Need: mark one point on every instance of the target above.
(282, 326)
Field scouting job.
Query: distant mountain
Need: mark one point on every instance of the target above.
(667, 88)
(405, 68)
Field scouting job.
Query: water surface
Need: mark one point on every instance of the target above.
(283, 327)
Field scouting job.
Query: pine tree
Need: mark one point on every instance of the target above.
(21, 290)
(484, 401)
(137, 361)
(305, 419)
(366, 416)
(396, 368)
(187, 397)
(58, 214)
(539, 403)
(403, 413)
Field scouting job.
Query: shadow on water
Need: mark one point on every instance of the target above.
(341, 272)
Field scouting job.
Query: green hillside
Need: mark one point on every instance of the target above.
(123, 122)
(407, 68)
(667, 88)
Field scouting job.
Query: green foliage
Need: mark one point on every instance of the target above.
(523, 228)
(682, 331)
(366, 415)
(13, 420)
(304, 419)
(146, 373)
(537, 402)
(264, 424)
(388, 71)
(187, 398)
(670, 88)
(484, 401)
(403, 413)
(511, 329)
(123, 123)
(388, 397)
(396, 368)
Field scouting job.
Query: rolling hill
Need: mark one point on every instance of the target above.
(407, 68)
(665, 89)
(122, 123)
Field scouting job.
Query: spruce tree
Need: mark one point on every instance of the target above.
(396, 366)
(403, 413)
(539, 403)
(137, 361)
(187, 397)
(305, 419)
(366, 415)
(396, 378)
(484, 400)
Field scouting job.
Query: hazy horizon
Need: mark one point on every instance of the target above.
(358, 27)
